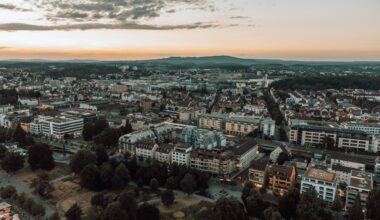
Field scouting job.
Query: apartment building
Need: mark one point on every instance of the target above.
(181, 154)
(267, 127)
(245, 151)
(238, 126)
(146, 150)
(281, 179)
(350, 161)
(163, 153)
(214, 162)
(342, 172)
(359, 185)
(370, 128)
(325, 184)
(127, 143)
(257, 174)
(314, 133)
(202, 138)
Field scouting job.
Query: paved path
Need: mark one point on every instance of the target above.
(6, 179)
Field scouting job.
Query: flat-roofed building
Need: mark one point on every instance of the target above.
(324, 183)
(213, 161)
(281, 179)
(256, 172)
(359, 185)
(181, 154)
(58, 126)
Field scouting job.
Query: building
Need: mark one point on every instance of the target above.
(163, 153)
(119, 88)
(267, 127)
(213, 161)
(353, 162)
(314, 133)
(370, 128)
(160, 131)
(202, 138)
(322, 181)
(257, 174)
(359, 185)
(281, 178)
(181, 154)
(58, 126)
(6, 108)
(377, 167)
(342, 172)
(146, 150)
(191, 114)
(238, 126)
(245, 151)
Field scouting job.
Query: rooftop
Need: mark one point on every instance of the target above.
(320, 175)
(360, 179)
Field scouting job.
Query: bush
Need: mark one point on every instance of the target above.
(8, 192)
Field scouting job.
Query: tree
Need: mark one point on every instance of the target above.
(127, 128)
(153, 184)
(337, 205)
(167, 197)
(40, 156)
(188, 184)
(128, 203)
(74, 212)
(81, 159)
(3, 151)
(328, 142)
(54, 216)
(115, 212)
(101, 155)
(287, 204)
(254, 203)
(108, 137)
(41, 185)
(19, 135)
(282, 158)
(311, 207)
(90, 177)
(100, 125)
(106, 175)
(121, 177)
(37, 210)
(12, 162)
(147, 211)
(373, 210)
(228, 209)
(7, 192)
(88, 131)
(98, 200)
(355, 212)
(272, 213)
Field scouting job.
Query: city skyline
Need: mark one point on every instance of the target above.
(144, 29)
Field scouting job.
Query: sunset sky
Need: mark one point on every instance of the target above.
(140, 29)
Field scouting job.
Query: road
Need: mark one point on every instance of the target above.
(22, 187)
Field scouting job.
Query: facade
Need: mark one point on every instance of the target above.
(324, 183)
(370, 128)
(257, 174)
(359, 185)
(163, 153)
(281, 179)
(353, 162)
(58, 127)
(342, 172)
(267, 127)
(377, 167)
(146, 149)
(214, 162)
(238, 126)
(202, 138)
(245, 151)
(311, 134)
(6, 108)
(181, 154)
(127, 143)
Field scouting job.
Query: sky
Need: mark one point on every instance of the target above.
(144, 29)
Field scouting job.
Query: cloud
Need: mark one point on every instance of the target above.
(91, 26)
(12, 7)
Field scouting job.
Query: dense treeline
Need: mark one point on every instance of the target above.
(333, 82)
(81, 71)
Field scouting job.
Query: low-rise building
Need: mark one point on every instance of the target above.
(281, 179)
(257, 174)
(212, 161)
(181, 154)
(58, 126)
(359, 185)
(146, 150)
(163, 153)
(323, 182)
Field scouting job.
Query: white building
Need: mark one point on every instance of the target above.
(6, 108)
(359, 185)
(267, 127)
(324, 183)
(181, 155)
(59, 126)
(371, 128)
(28, 102)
